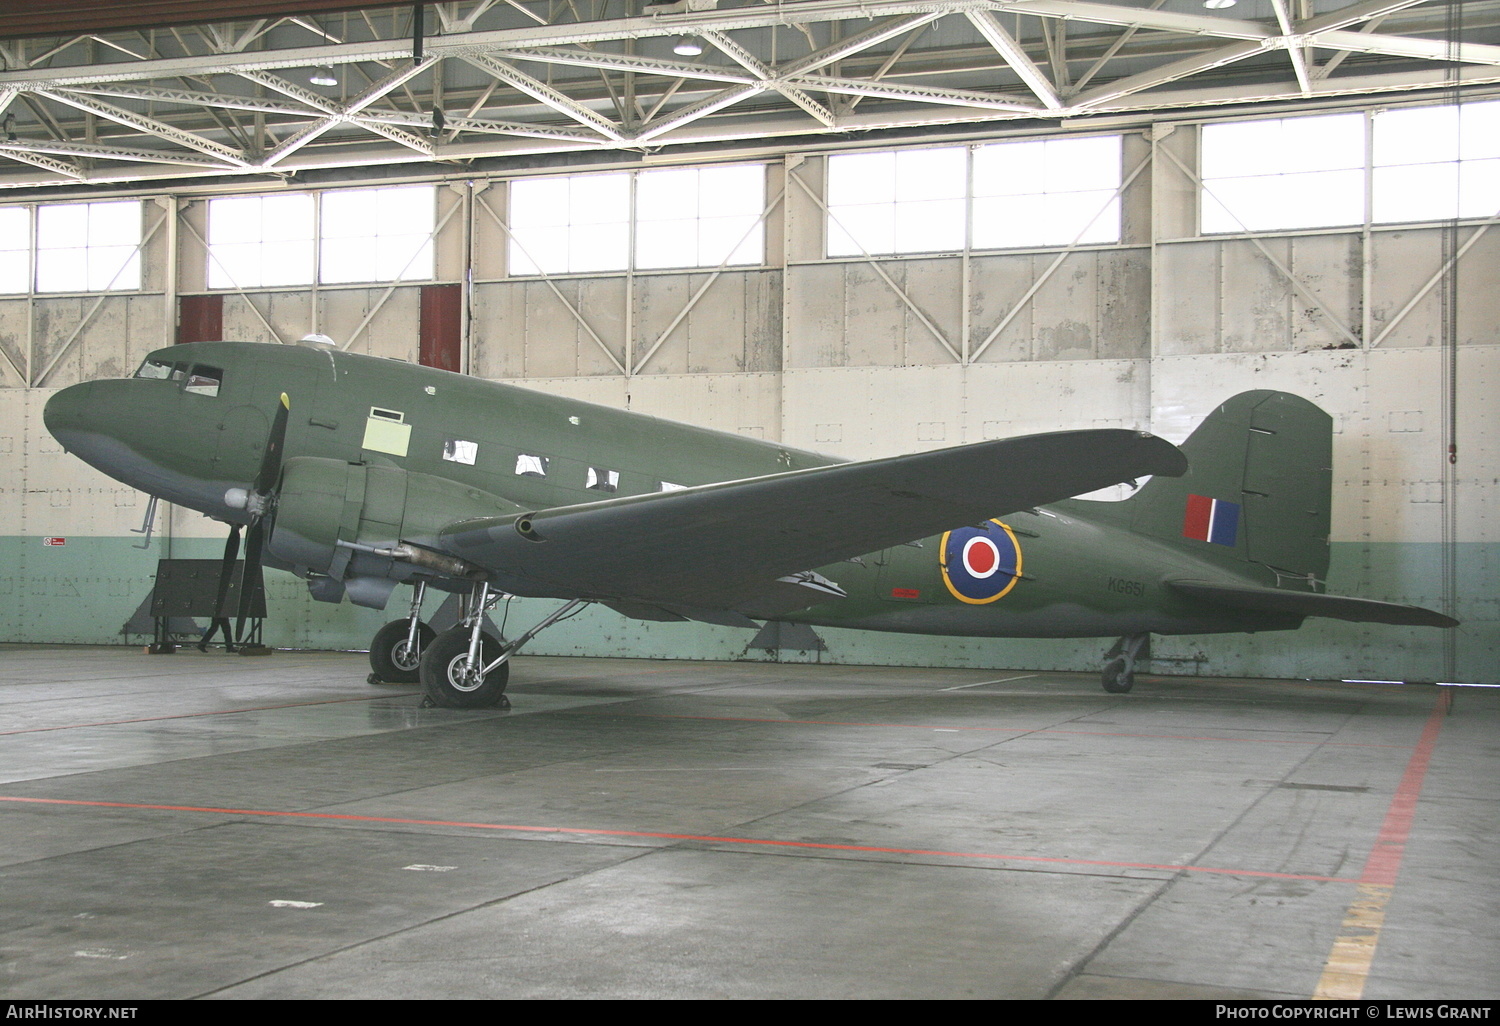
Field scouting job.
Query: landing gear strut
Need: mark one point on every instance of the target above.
(466, 667)
(1120, 660)
(397, 647)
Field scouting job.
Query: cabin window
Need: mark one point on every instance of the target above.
(668, 486)
(531, 466)
(601, 480)
(203, 380)
(456, 450)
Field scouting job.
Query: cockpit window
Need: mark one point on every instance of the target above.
(161, 370)
(204, 380)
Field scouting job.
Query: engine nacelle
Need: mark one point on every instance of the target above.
(330, 514)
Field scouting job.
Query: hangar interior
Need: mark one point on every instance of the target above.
(859, 226)
(890, 226)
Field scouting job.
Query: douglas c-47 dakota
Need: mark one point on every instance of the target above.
(359, 474)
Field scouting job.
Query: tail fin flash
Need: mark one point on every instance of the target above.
(1257, 489)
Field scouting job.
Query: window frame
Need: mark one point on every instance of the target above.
(970, 198)
(135, 282)
(522, 263)
(1368, 174)
(317, 243)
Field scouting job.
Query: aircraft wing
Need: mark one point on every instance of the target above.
(719, 545)
(1307, 603)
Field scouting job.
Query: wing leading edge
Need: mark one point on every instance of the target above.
(719, 545)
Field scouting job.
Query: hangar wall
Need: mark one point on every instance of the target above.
(867, 357)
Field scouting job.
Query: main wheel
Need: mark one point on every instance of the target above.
(1118, 677)
(392, 658)
(449, 679)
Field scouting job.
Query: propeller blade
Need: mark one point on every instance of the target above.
(270, 460)
(253, 582)
(226, 568)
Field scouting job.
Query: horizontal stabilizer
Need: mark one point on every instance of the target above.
(718, 545)
(1307, 603)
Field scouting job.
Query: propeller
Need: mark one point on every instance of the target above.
(259, 502)
(226, 569)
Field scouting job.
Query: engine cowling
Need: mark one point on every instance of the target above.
(330, 513)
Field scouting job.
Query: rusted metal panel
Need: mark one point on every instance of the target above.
(441, 327)
(200, 318)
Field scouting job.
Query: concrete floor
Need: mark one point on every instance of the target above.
(215, 826)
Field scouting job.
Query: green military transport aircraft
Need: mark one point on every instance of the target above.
(358, 474)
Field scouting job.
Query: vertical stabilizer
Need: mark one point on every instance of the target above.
(1257, 490)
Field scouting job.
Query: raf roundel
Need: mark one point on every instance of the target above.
(980, 564)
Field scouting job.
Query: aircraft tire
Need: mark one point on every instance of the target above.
(390, 660)
(1118, 678)
(444, 668)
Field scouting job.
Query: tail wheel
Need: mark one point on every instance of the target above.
(452, 681)
(393, 658)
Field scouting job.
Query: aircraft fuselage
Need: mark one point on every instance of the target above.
(191, 428)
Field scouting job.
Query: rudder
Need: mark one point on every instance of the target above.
(1258, 487)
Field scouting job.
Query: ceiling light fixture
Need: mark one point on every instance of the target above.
(1218, 5)
(323, 76)
(687, 46)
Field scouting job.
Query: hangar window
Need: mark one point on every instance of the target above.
(570, 224)
(1434, 163)
(678, 217)
(1047, 192)
(378, 234)
(88, 247)
(15, 249)
(255, 241)
(700, 217)
(1283, 173)
(899, 201)
(1041, 192)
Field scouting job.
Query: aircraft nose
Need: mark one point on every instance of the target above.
(66, 413)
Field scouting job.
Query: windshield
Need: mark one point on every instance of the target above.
(161, 370)
(198, 378)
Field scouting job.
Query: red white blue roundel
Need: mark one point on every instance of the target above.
(980, 564)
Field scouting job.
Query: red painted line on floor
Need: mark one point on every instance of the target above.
(189, 716)
(1384, 861)
(1347, 969)
(596, 711)
(658, 835)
